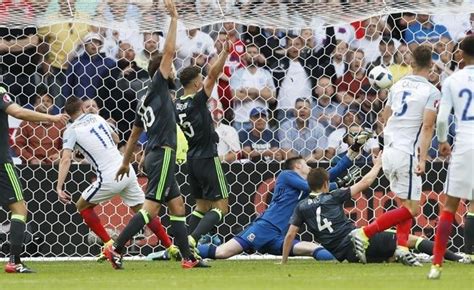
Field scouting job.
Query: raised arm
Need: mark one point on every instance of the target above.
(170, 42)
(216, 69)
(370, 177)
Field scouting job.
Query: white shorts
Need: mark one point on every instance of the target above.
(106, 188)
(460, 177)
(399, 168)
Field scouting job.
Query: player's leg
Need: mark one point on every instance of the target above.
(224, 251)
(216, 191)
(469, 230)
(11, 196)
(90, 217)
(426, 246)
(178, 227)
(459, 184)
(318, 252)
(407, 186)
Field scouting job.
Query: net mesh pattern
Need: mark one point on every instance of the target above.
(297, 72)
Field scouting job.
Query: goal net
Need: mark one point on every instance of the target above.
(295, 84)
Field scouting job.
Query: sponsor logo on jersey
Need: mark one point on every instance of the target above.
(251, 237)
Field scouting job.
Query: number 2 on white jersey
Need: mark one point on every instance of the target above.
(326, 225)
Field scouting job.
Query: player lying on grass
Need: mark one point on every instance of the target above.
(324, 215)
(93, 137)
(11, 192)
(266, 233)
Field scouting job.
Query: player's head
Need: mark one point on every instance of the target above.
(318, 180)
(297, 164)
(73, 107)
(90, 106)
(467, 49)
(154, 65)
(191, 78)
(422, 58)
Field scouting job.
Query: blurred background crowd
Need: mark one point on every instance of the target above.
(283, 92)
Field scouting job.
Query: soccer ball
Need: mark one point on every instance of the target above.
(380, 78)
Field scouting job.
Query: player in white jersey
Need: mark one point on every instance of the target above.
(458, 92)
(94, 138)
(411, 114)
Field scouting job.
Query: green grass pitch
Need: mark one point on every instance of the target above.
(241, 275)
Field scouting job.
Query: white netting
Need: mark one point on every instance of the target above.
(320, 51)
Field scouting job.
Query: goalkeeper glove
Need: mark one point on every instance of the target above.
(353, 174)
(361, 138)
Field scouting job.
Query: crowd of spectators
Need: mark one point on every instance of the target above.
(282, 93)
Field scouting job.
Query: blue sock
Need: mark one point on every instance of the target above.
(207, 251)
(321, 254)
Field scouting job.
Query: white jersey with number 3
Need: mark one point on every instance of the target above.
(408, 99)
(92, 136)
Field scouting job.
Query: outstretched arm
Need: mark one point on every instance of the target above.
(127, 156)
(289, 238)
(216, 69)
(32, 116)
(370, 177)
(170, 42)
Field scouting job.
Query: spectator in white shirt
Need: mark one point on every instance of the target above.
(370, 43)
(338, 59)
(228, 148)
(152, 42)
(192, 43)
(252, 86)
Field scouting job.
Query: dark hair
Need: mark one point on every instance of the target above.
(304, 100)
(73, 105)
(290, 162)
(467, 45)
(188, 74)
(154, 63)
(41, 90)
(317, 177)
(422, 56)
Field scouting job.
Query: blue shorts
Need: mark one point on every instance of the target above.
(263, 237)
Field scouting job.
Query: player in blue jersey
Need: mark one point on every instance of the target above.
(266, 234)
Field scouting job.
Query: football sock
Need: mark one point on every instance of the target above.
(157, 228)
(17, 236)
(387, 220)
(469, 233)
(403, 231)
(138, 221)
(321, 254)
(181, 236)
(93, 222)
(208, 222)
(426, 246)
(443, 231)
(194, 219)
(207, 251)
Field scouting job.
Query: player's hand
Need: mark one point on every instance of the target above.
(352, 176)
(64, 196)
(420, 168)
(377, 160)
(227, 46)
(444, 149)
(124, 169)
(361, 138)
(60, 119)
(169, 4)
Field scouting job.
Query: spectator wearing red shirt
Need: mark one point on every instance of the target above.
(350, 84)
(39, 143)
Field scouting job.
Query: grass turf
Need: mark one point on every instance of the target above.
(257, 274)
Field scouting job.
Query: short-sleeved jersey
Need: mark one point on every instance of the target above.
(92, 136)
(325, 218)
(457, 93)
(408, 99)
(156, 114)
(4, 147)
(196, 122)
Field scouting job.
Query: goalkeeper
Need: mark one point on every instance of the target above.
(266, 234)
